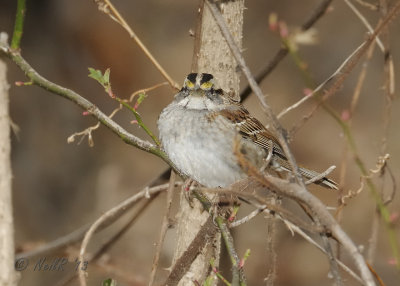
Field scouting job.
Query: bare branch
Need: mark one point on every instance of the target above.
(317, 210)
(365, 22)
(110, 215)
(302, 195)
(256, 89)
(39, 80)
(283, 51)
(88, 131)
(237, 273)
(108, 8)
(321, 175)
(164, 228)
(298, 230)
(247, 218)
(110, 242)
(338, 74)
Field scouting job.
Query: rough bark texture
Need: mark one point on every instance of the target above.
(211, 55)
(7, 273)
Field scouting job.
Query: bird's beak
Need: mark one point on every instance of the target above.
(198, 92)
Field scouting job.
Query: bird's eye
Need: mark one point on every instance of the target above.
(207, 85)
(189, 84)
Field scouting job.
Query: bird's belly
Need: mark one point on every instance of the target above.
(200, 150)
(203, 164)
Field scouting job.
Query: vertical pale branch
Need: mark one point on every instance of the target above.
(7, 273)
(271, 255)
(211, 55)
(388, 86)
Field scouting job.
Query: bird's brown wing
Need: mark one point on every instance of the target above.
(250, 128)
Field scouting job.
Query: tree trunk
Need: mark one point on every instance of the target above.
(211, 55)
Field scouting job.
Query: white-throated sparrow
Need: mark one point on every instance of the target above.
(200, 128)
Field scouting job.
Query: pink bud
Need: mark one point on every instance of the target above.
(273, 22)
(85, 113)
(19, 83)
(110, 93)
(283, 30)
(394, 217)
(307, 91)
(345, 115)
(134, 122)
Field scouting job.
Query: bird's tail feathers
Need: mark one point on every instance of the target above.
(310, 174)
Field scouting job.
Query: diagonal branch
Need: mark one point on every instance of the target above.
(283, 51)
(78, 234)
(277, 129)
(109, 215)
(108, 8)
(85, 104)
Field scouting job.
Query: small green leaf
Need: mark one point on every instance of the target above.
(212, 261)
(106, 76)
(109, 282)
(142, 96)
(104, 80)
(96, 75)
(246, 254)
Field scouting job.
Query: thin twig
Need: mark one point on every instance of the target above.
(292, 222)
(108, 8)
(365, 22)
(388, 87)
(19, 25)
(333, 262)
(373, 7)
(270, 209)
(237, 273)
(299, 231)
(302, 195)
(317, 13)
(115, 211)
(270, 244)
(274, 121)
(338, 74)
(88, 131)
(164, 228)
(278, 130)
(345, 69)
(39, 80)
(321, 175)
(317, 209)
(110, 242)
(354, 58)
(247, 218)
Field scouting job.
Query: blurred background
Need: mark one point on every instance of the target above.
(59, 187)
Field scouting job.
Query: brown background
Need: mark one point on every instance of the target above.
(59, 187)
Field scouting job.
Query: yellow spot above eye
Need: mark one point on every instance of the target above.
(189, 84)
(207, 85)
